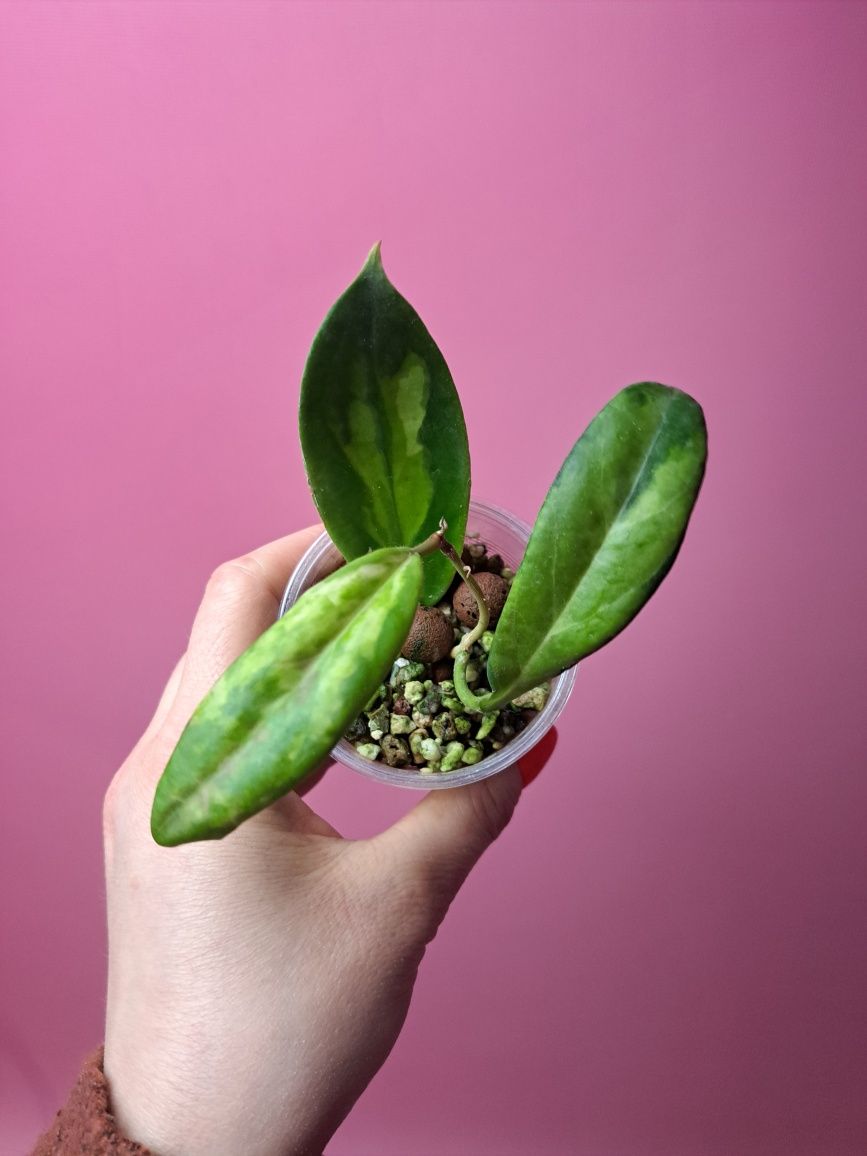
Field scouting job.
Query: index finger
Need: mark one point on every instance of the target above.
(274, 562)
(240, 602)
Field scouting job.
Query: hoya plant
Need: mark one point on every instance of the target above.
(386, 453)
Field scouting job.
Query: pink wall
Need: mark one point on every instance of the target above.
(666, 953)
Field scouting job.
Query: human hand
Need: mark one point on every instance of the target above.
(256, 984)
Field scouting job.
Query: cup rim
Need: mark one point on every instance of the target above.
(408, 778)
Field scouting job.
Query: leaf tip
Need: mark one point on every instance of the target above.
(374, 259)
(161, 834)
(169, 827)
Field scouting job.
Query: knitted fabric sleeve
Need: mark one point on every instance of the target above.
(84, 1126)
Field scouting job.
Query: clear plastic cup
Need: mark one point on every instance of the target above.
(505, 535)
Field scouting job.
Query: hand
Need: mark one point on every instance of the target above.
(256, 984)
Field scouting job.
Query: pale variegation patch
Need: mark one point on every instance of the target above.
(405, 400)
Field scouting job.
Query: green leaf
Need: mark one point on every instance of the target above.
(382, 430)
(606, 536)
(279, 709)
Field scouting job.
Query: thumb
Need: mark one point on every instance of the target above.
(442, 838)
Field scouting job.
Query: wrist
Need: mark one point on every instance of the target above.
(178, 1103)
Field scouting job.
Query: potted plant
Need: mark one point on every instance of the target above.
(385, 448)
(481, 745)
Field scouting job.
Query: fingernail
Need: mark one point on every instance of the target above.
(533, 763)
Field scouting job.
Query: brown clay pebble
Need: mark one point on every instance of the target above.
(494, 591)
(401, 706)
(430, 638)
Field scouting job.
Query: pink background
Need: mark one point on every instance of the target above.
(667, 952)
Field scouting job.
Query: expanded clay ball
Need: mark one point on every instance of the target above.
(494, 590)
(430, 638)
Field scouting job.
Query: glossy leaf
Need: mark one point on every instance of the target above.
(382, 430)
(279, 709)
(606, 536)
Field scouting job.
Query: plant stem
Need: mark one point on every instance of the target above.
(437, 541)
(461, 653)
(482, 625)
(469, 698)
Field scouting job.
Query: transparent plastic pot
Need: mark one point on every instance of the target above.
(505, 535)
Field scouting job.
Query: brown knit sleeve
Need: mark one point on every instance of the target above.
(84, 1126)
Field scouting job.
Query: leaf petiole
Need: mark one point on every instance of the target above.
(433, 543)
